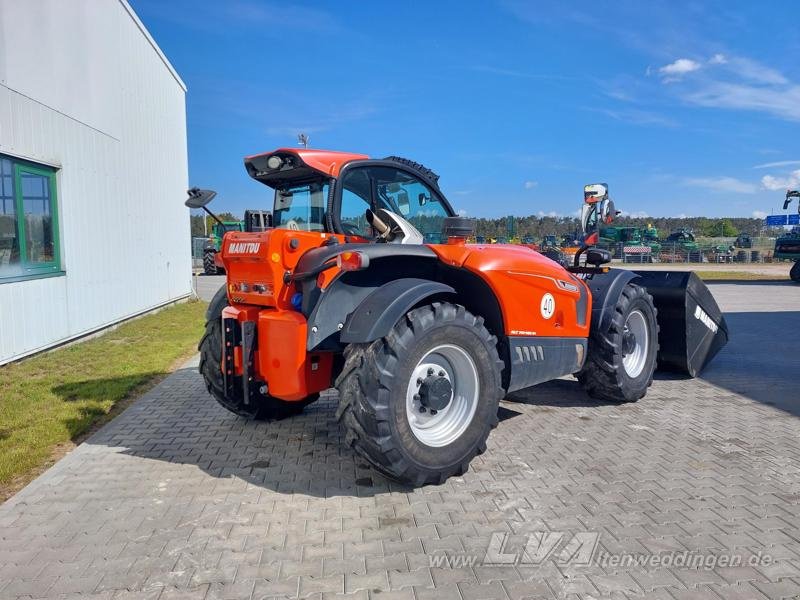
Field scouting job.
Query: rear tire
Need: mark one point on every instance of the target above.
(381, 397)
(621, 360)
(209, 267)
(262, 406)
(794, 273)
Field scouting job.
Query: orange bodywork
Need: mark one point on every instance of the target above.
(256, 264)
(520, 278)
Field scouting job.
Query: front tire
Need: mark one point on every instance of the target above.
(439, 358)
(794, 273)
(262, 406)
(621, 360)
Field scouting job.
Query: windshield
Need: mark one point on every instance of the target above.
(301, 207)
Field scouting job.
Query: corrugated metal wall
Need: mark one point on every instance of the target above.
(81, 87)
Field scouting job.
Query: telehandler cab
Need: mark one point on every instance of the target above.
(421, 339)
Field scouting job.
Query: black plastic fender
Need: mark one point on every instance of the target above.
(606, 288)
(385, 306)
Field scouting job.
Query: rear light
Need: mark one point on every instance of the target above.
(244, 287)
(352, 261)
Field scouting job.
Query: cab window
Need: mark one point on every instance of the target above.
(355, 202)
(301, 207)
(394, 190)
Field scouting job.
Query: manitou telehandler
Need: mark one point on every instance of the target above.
(421, 339)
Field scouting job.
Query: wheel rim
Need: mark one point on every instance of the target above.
(440, 427)
(634, 358)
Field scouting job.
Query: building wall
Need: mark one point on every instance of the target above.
(84, 88)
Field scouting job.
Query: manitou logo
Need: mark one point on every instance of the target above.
(701, 316)
(244, 247)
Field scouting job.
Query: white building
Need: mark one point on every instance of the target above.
(93, 172)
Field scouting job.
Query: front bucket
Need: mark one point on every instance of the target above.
(692, 328)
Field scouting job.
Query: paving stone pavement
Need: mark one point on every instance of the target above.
(176, 498)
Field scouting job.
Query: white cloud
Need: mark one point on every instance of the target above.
(780, 163)
(752, 70)
(552, 213)
(780, 101)
(759, 214)
(735, 82)
(529, 185)
(637, 215)
(722, 184)
(781, 183)
(675, 70)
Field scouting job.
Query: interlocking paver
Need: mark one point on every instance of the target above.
(177, 498)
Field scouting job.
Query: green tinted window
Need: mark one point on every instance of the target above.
(29, 243)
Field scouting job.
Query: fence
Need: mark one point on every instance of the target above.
(704, 250)
(198, 243)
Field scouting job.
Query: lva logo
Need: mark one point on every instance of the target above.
(244, 247)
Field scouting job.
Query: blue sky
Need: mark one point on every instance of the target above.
(684, 108)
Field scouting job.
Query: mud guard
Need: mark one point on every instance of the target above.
(377, 313)
(692, 327)
(606, 288)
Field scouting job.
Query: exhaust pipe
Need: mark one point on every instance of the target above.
(692, 328)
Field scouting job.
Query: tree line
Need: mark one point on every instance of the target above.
(537, 227)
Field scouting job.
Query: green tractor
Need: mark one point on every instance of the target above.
(621, 241)
(787, 247)
(212, 261)
(650, 237)
(682, 243)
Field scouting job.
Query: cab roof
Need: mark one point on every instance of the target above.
(328, 162)
(296, 165)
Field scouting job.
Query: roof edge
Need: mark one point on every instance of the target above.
(152, 42)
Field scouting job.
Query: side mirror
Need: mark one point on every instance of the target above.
(423, 199)
(199, 198)
(597, 257)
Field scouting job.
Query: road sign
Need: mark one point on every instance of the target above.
(794, 219)
(776, 220)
